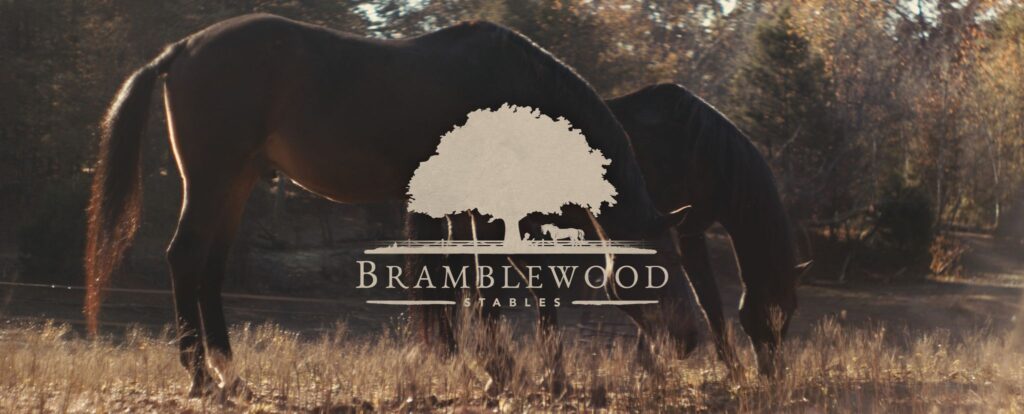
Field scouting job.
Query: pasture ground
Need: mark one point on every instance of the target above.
(931, 346)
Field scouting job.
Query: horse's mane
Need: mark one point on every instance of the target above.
(746, 196)
(568, 95)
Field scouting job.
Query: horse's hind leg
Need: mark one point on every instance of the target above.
(211, 307)
(211, 199)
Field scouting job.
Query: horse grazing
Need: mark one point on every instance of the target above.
(346, 117)
(558, 233)
(691, 154)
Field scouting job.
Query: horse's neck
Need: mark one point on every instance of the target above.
(749, 207)
(628, 221)
(580, 103)
(761, 248)
(757, 223)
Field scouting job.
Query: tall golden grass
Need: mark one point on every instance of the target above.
(46, 367)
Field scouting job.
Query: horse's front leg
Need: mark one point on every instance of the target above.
(493, 350)
(547, 322)
(435, 323)
(694, 255)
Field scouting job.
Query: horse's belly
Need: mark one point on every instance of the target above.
(340, 170)
(362, 153)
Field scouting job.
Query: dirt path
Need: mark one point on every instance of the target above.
(994, 261)
(988, 296)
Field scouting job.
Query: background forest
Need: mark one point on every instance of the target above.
(889, 124)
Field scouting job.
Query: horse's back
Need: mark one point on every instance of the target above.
(293, 96)
(232, 77)
(349, 117)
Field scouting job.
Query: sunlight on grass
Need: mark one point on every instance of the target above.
(46, 367)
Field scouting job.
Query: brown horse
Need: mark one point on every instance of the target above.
(691, 154)
(346, 117)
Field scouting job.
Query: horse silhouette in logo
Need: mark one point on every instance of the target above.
(574, 236)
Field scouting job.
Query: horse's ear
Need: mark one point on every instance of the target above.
(670, 220)
(802, 268)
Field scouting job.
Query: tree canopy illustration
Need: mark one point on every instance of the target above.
(508, 163)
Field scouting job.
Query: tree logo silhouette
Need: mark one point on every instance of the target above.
(508, 163)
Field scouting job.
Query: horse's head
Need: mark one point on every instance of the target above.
(676, 314)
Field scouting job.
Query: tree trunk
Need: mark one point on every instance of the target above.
(512, 235)
(279, 198)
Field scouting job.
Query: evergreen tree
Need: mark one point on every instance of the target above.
(784, 100)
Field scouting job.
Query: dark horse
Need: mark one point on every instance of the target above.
(693, 155)
(346, 117)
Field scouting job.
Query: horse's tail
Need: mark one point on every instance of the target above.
(116, 202)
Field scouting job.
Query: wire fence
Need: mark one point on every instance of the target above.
(589, 325)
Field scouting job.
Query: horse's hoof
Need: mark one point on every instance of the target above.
(771, 369)
(239, 390)
(203, 390)
(647, 361)
(202, 385)
(195, 391)
(735, 373)
(770, 364)
(556, 384)
(598, 397)
(560, 389)
(492, 389)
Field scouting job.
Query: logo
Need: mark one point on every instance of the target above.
(507, 164)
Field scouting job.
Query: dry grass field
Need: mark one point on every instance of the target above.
(887, 136)
(950, 346)
(48, 368)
